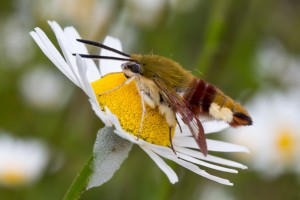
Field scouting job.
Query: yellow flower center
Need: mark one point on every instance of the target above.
(13, 177)
(286, 143)
(125, 103)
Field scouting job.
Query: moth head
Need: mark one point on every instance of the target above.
(131, 68)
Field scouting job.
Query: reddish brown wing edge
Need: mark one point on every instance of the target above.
(187, 117)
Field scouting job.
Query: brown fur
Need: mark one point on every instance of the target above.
(203, 94)
(178, 91)
(198, 94)
(240, 114)
(168, 71)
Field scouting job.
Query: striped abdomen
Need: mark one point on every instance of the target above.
(205, 99)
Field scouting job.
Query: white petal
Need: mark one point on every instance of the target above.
(114, 119)
(210, 158)
(87, 88)
(51, 52)
(93, 72)
(100, 113)
(128, 136)
(212, 145)
(209, 126)
(162, 165)
(71, 33)
(109, 66)
(109, 153)
(220, 146)
(162, 149)
(82, 70)
(66, 47)
(192, 167)
(213, 126)
(69, 45)
(205, 164)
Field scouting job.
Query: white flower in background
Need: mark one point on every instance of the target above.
(21, 161)
(90, 15)
(44, 89)
(122, 109)
(146, 13)
(16, 49)
(213, 192)
(274, 138)
(149, 13)
(276, 63)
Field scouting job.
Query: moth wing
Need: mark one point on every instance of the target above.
(186, 115)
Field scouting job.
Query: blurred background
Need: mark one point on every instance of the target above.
(249, 49)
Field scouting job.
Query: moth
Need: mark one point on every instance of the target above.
(165, 85)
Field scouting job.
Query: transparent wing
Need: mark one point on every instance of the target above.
(186, 115)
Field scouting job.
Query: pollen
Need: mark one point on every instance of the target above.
(125, 103)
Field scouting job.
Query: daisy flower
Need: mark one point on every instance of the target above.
(41, 88)
(146, 13)
(21, 161)
(274, 140)
(277, 64)
(122, 110)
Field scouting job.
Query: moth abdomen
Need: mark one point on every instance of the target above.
(205, 99)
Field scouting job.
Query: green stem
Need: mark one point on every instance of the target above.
(80, 183)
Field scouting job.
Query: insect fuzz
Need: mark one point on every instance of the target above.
(164, 84)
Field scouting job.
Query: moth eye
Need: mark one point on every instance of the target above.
(135, 68)
(132, 66)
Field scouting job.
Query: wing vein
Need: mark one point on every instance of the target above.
(186, 115)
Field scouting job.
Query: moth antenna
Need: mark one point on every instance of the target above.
(97, 44)
(103, 57)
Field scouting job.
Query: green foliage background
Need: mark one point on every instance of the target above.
(217, 40)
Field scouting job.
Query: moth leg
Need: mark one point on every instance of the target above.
(143, 114)
(171, 120)
(178, 124)
(121, 85)
(170, 138)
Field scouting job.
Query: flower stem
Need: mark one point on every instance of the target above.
(80, 183)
